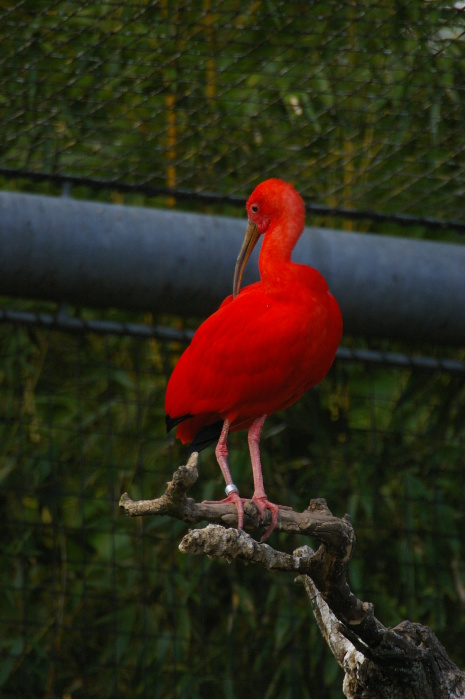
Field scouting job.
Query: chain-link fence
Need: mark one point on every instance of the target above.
(166, 103)
(360, 104)
(96, 605)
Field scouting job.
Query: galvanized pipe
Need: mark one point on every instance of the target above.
(103, 255)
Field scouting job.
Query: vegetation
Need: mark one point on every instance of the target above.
(97, 605)
(361, 105)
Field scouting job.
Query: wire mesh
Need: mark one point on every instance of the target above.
(96, 605)
(359, 104)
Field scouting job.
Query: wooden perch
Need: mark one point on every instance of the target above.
(405, 662)
(175, 503)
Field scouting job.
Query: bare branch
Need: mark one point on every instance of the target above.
(405, 662)
(329, 625)
(218, 542)
(316, 520)
(327, 567)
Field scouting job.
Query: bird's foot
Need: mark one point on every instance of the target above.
(263, 504)
(235, 498)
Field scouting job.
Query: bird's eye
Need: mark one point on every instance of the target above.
(254, 208)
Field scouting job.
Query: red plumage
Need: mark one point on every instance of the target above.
(265, 347)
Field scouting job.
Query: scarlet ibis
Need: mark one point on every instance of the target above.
(264, 347)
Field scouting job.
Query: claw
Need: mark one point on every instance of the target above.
(263, 504)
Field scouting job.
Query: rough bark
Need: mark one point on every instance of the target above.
(405, 662)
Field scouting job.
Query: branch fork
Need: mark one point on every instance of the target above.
(404, 662)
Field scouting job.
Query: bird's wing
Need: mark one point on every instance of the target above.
(250, 357)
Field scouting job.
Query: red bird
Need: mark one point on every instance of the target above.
(262, 349)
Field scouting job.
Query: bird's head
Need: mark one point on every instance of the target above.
(270, 202)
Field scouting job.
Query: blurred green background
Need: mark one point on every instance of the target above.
(158, 103)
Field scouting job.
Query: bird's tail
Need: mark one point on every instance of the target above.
(209, 434)
(198, 436)
(173, 421)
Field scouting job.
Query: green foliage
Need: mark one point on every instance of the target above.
(360, 105)
(97, 605)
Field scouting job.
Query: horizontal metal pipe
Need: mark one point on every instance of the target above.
(104, 255)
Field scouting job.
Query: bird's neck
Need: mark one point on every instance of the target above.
(275, 257)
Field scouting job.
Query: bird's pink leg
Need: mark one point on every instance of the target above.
(221, 453)
(259, 497)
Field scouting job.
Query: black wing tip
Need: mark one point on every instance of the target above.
(209, 434)
(173, 421)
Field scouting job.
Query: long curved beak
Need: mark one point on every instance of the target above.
(248, 244)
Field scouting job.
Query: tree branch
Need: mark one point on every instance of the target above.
(175, 503)
(406, 662)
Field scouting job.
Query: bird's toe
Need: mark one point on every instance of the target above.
(263, 504)
(237, 501)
